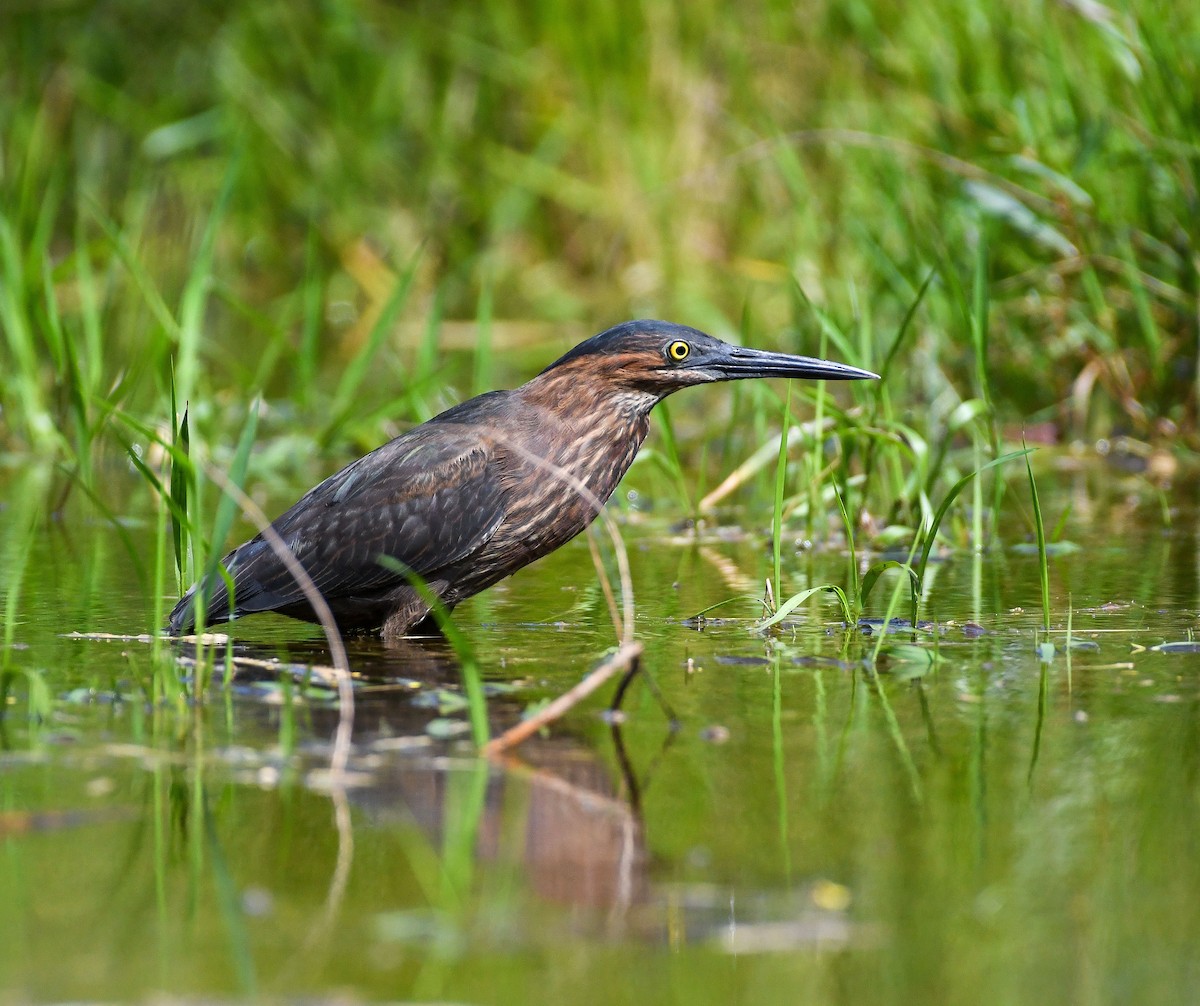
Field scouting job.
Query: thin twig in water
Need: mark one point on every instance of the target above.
(628, 651)
(625, 659)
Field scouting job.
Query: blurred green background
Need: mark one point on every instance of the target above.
(261, 192)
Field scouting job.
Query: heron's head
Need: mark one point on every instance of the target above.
(652, 359)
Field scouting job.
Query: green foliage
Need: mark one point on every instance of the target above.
(242, 191)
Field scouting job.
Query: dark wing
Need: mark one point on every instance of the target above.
(427, 500)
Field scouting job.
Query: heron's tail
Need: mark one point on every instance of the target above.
(183, 616)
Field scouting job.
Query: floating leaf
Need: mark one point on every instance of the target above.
(443, 728)
(915, 661)
(444, 700)
(1052, 548)
(1180, 646)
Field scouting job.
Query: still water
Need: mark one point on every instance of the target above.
(765, 820)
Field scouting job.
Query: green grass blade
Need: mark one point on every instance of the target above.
(947, 502)
(872, 575)
(780, 480)
(227, 508)
(1040, 528)
(793, 602)
(904, 328)
(856, 590)
(181, 475)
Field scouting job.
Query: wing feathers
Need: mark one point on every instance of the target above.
(428, 499)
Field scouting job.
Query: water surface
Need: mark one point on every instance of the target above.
(770, 818)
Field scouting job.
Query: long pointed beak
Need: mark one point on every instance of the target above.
(740, 362)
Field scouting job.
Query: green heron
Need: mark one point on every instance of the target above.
(485, 488)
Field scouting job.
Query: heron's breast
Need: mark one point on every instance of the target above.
(564, 487)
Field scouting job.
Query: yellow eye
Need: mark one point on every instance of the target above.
(678, 350)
